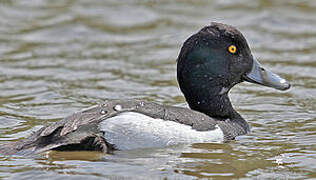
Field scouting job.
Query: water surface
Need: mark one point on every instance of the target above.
(57, 57)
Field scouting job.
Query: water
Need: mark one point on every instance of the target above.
(57, 57)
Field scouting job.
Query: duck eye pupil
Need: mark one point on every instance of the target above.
(232, 49)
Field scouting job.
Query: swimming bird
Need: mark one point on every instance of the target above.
(210, 63)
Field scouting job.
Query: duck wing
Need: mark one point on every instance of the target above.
(80, 131)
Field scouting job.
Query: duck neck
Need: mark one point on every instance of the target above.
(214, 102)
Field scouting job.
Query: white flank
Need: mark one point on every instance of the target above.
(134, 130)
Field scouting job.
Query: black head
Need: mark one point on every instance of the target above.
(211, 62)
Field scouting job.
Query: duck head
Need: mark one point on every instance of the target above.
(212, 61)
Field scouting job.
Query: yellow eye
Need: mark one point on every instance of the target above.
(232, 49)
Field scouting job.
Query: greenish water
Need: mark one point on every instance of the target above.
(57, 57)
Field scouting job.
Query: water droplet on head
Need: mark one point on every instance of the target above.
(117, 107)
